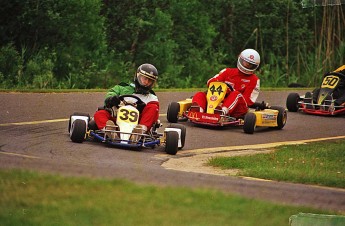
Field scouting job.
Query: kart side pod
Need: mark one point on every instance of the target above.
(266, 118)
(179, 134)
(77, 128)
(83, 118)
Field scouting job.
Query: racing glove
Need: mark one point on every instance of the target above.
(112, 101)
(261, 106)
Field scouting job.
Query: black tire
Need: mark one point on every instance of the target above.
(183, 132)
(292, 102)
(76, 113)
(282, 116)
(249, 123)
(171, 142)
(172, 113)
(78, 131)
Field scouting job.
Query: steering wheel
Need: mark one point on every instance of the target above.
(229, 86)
(138, 102)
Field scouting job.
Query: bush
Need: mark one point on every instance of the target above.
(11, 65)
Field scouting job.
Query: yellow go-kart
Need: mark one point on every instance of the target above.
(258, 115)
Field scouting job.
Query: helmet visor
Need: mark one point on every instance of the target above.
(145, 81)
(248, 65)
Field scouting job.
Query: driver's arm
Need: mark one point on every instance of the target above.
(252, 92)
(116, 91)
(220, 77)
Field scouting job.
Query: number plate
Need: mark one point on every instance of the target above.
(128, 114)
(330, 81)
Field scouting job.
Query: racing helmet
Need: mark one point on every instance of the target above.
(145, 78)
(248, 61)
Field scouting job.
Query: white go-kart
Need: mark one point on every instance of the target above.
(126, 132)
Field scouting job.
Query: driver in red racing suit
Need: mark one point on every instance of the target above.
(245, 85)
(144, 79)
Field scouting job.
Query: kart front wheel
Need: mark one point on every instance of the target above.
(183, 132)
(282, 116)
(171, 142)
(78, 131)
(172, 113)
(292, 102)
(249, 123)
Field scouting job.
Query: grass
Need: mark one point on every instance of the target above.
(314, 163)
(28, 198)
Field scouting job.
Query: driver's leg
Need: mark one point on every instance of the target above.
(199, 100)
(235, 105)
(149, 115)
(101, 117)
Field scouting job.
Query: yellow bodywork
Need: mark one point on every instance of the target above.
(267, 117)
(184, 106)
(215, 95)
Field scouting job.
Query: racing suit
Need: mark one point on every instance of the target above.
(148, 115)
(236, 103)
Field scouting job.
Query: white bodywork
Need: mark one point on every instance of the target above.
(179, 134)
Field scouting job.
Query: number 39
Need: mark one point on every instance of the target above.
(126, 115)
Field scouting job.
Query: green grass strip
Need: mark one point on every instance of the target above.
(321, 163)
(28, 198)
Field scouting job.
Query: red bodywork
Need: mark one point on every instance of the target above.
(322, 110)
(212, 119)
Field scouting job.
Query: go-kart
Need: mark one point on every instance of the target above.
(125, 133)
(259, 115)
(325, 102)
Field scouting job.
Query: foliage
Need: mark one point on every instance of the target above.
(93, 43)
(11, 65)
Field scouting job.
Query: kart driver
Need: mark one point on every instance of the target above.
(338, 93)
(245, 85)
(144, 79)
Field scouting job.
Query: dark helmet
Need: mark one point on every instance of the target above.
(145, 78)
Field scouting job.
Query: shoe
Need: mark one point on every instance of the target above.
(308, 100)
(139, 130)
(110, 125)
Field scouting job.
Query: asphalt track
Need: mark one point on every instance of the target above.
(33, 135)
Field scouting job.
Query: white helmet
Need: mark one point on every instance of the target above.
(248, 61)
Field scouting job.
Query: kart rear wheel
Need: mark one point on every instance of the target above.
(172, 113)
(183, 132)
(292, 102)
(282, 116)
(76, 113)
(78, 131)
(249, 123)
(171, 142)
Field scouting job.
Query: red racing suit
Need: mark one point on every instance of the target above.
(246, 91)
(148, 115)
